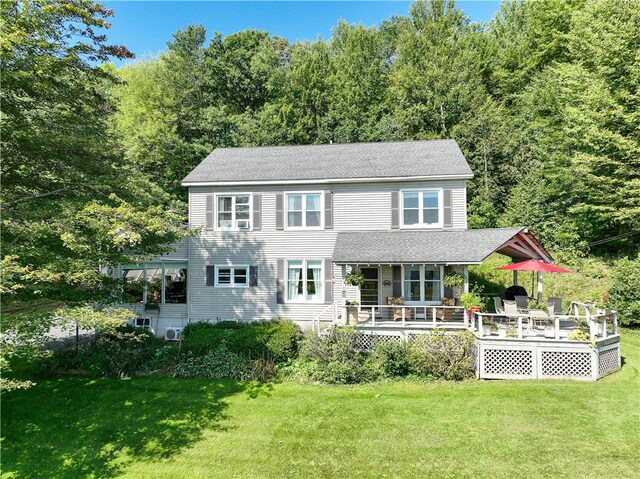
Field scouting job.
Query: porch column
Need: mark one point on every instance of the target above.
(539, 286)
(465, 273)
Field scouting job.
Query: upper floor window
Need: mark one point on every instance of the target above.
(422, 208)
(233, 212)
(304, 210)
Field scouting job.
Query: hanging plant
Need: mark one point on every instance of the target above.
(355, 278)
(453, 280)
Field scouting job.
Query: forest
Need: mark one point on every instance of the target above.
(544, 101)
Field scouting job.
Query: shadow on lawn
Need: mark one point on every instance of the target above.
(77, 428)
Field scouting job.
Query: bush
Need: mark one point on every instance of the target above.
(333, 357)
(276, 340)
(443, 356)
(124, 352)
(392, 358)
(625, 291)
(216, 364)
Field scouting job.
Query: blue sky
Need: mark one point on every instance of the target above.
(145, 27)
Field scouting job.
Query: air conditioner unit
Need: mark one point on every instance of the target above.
(172, 333)
(242, 224)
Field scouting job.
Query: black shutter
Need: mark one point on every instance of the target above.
(209, 212)
(210, 276)
(328, 280)
(257, 212)
(397, 281)
(447, 220)
(253, 276)
(280, 282)
(279, 211)
(328, 210)
(395, 210)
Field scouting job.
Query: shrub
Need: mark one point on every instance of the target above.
(216, 364)
(333, 357)
(124, 352)
(195, 326)
(443, 356)
(277, 339)
(392, 358)
(625, 291)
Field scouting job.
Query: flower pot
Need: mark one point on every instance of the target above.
(352, 315)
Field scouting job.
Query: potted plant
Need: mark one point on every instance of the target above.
(354, 278)
(352, 312)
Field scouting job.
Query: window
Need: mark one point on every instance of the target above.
(233, 212)
(422, 284)
(422, 208)
(232, 276)
(155, 283)
(304, 210)
(304, 281)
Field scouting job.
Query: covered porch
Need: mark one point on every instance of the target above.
(403, 273)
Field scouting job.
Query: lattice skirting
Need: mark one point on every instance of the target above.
(608, 360)
(505, 359)
(366, 342)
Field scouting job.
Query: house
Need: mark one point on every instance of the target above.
(279, 227)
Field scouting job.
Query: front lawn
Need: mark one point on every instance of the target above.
(186, 428)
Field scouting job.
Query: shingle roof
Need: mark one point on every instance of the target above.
(432, 158)
(467, 246)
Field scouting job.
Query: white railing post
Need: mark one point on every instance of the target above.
(604, 326)
(433, 318)
(519, 327)
(404, 319)
(465, 319)
(556, 327)
(614, 321)
(480, 327)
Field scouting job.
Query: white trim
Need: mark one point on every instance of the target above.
(422, 281)
(305, 262)
(285, 208)
(323, 181)
(420, 224)
(232, 268)
(233, 211)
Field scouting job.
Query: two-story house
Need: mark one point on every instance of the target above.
(279, 227)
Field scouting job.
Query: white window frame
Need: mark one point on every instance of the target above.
(422, 281)
(304, 210)
(232, 284)
(420, 223)
(166, 264)
(305, 262)
(234, 227)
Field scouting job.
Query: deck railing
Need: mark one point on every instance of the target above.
(406, 315)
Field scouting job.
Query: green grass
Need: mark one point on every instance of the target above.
(167, 428)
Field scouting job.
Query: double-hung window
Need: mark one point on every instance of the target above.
(422, 208)
(228, 276)
(422, 284)
(304, 210)
(304, 281)
(233, 212)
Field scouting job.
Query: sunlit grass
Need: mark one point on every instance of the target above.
(167, 428)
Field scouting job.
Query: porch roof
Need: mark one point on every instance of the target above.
(437, 247)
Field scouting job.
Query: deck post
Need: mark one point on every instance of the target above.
(404, 319)
(465, 274)
(614, 322)
(480, 328)
(604, 326)
(465, 319)
(556, 327)
(519, 327)
(433, 311)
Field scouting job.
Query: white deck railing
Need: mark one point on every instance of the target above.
(405, 315)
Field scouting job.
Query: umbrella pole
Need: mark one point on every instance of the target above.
(539, 286)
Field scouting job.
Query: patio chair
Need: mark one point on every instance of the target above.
(522, 302)
(554, 305)
(511, 310)
(497, 303)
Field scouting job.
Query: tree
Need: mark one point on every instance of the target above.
(60, 163)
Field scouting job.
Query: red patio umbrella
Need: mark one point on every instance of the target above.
(538, 266)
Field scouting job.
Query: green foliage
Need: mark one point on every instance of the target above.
(392, 358)
(441, 355)
(354, 278)
(333, 357)
(218, 363)
(625, 290)
(277, 339)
